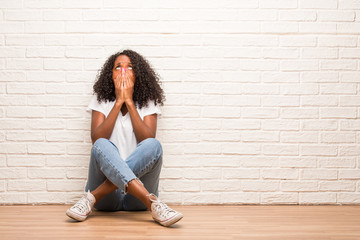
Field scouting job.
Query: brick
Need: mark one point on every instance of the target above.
(278, 4)
(12, 173)
(64, 112)
(45, 124)
(220, 112)
(308, 101)
(11, 27)
(62, 40)
(83, 52)
(13, 198)
(348, 198)
(350, 125)
(67, 161)
(257, 113)
(297, 162)
(303, 65)
(65, 185)
(45, 173)
(281, 101)
(299, 89)
(25, 160)
(349, 4)
(45, 52)
(318, 77)
(260, 186)
(44, 27)
(78, 149)
(297, 41)
(350, 77)
(299, 137)
(318, 174)
(279, 27)
(337, 162)
(25, 88)
(220, 185)
(343, 186)
(280, 53)
(281, 125)
(13, 148)
(240, 148)
(47, 76)
(337, 137)
(319, 125)
(12, 52)
(24, 136)
(61, 64)
(218, 136)
(336, 16)
(337, 41)
(29, 112)
(290, 15)
(24, 64)
(241, 173)
(11, 76)
(45, 148)
(239, 124)
(299, 113)
(257, 136)
(281, 173)
(202, 148)
(295, 186)
(200, 198)
(349, 53)
(317, 198)
(277, 149)
(318, 150)
(24, 40)
(26, 185)
(241, 197)
(280, 77)
(321, 4)
(338, 112)
(348, 27)
(350, 150)
(279, 198)
(46, 198)
(181, 185)
(172, 173)
(349, 174)
(319, 53)
(338, 65)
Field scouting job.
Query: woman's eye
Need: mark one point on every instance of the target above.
(117, 67)
(130, 68)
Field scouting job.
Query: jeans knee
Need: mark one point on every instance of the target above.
(99, 142)
(155, 145)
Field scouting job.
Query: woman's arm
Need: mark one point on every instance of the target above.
(102, 127)
(142, 129)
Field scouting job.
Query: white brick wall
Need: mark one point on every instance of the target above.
(262, 96)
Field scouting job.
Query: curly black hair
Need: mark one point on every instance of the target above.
(146, 87)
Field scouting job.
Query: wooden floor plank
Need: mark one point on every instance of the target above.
(200, 222)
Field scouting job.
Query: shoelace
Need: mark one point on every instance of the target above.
(82, 205)
(163, 209)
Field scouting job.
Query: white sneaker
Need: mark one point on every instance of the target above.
(81, 210)
(162, 213)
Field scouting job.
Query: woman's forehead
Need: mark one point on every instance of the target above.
(122, 59)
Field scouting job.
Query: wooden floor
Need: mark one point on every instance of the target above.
(199, 222)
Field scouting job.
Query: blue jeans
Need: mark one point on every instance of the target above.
(143, 163)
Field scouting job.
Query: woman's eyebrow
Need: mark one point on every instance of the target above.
(123, 62)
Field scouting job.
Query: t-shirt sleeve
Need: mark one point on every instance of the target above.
(95, 105)
(151, 108)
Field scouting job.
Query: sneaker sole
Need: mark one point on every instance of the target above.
(171, 221)
(75, 216)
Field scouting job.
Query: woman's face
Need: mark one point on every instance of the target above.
(123, 65)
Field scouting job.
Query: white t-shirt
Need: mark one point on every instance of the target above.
(123, 135)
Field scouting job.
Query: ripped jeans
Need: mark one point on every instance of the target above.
(143, 163)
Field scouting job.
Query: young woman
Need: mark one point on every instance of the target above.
(126, 158)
